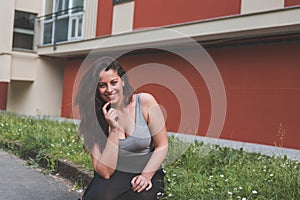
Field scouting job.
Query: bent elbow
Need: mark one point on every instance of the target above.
(105, 173)
(106, 177)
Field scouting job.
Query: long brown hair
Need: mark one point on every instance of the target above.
(93, 126)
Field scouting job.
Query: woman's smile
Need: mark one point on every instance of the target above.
(111, 86)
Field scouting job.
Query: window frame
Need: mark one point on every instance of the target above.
(115, 2)
(56, 15)
(29, 32)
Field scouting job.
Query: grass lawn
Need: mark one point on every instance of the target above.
(202, 172)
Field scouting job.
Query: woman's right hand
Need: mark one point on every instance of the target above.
(111, 116)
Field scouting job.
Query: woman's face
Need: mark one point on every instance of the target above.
(110, 86)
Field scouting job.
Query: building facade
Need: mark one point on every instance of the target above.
(254, 44)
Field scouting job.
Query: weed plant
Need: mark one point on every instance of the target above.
(201, 172)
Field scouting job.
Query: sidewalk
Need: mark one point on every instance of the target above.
(18, 182)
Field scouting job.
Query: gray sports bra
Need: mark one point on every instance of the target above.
(135, 150)
(140, 140)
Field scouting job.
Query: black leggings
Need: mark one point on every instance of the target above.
(118, 187)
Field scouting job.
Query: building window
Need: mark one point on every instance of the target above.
(62, 21)
(23, 36)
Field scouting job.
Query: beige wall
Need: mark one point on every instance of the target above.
(43, 95)
(35, 83)
(123, 17)
(90, 19)
(34, 6)
(5, 71)
(6, 20)
(251, 6)
(23, 66)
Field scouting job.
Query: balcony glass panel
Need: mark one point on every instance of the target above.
(47, 36)
(61, 29)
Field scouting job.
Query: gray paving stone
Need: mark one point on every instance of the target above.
(19, 182)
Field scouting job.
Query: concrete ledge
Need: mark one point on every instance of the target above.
(74, 173)
(292, 154)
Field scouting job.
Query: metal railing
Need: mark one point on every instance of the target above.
(53, 18)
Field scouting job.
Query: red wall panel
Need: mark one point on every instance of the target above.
(104, 18)
(165, 96)
(3, 95)
(288, 3)
(70, 72)
(262, 86)
(262, 83)
(157, 13)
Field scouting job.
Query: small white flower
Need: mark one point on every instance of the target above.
(240, 188)
(211, 189)
(158, 194)
(79, 190)
(271, 174)
(254, 192)
(244, 198)
(230, 193)
(222, 176)
(174, 174)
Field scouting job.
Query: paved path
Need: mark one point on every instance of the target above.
(18, 182)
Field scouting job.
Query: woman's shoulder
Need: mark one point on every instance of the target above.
(147, 99)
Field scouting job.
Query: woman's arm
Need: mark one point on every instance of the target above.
(156, 123)
(105, 162)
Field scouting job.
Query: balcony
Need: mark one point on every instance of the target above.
(62, 26)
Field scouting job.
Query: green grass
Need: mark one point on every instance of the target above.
(201, 172)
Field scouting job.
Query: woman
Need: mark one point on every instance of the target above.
(131, 144)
